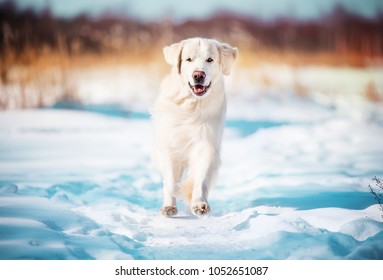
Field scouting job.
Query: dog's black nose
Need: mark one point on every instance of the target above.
(199, 76)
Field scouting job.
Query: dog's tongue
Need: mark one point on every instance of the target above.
(198, 89)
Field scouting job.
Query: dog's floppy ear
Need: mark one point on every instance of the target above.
(172, 54)
(227, 56)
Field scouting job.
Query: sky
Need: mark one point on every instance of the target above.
(149, 10)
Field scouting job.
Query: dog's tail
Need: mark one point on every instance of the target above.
(186, 190)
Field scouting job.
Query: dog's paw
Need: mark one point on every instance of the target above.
(200, 209)
(169, 211)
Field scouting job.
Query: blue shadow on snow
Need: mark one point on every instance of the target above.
(347, 200)
(244, 127)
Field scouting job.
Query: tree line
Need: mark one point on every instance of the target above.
(340, 31)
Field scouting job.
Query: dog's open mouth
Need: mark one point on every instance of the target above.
(199, 90)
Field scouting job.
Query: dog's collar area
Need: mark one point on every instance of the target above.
(198, 89)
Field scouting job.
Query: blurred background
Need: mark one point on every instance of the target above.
(84, 53)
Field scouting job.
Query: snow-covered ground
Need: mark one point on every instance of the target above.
(80, 184)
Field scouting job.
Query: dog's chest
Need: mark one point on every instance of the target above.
(187, 132)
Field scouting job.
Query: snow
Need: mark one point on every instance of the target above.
(80, 184)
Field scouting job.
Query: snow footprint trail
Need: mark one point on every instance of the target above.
(261, 233)
(86, 189)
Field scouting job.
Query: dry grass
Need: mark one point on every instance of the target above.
(247, 58)
(38, 80)
(296, 58)
(371, 93)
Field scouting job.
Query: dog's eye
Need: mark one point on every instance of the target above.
(209, 60)
(189, 59)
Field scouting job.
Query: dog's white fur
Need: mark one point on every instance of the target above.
(188, 127)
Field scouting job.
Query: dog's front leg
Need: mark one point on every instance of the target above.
(171, 175)
(204, 169)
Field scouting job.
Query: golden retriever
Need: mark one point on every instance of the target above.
(188, 118)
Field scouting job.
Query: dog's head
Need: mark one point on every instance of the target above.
(200, 62)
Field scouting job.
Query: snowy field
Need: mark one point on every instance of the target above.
(80, 184)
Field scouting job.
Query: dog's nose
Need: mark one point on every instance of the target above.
(199, 76)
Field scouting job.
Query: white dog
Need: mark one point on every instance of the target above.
(188, 119)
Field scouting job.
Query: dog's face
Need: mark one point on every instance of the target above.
(200, 62)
